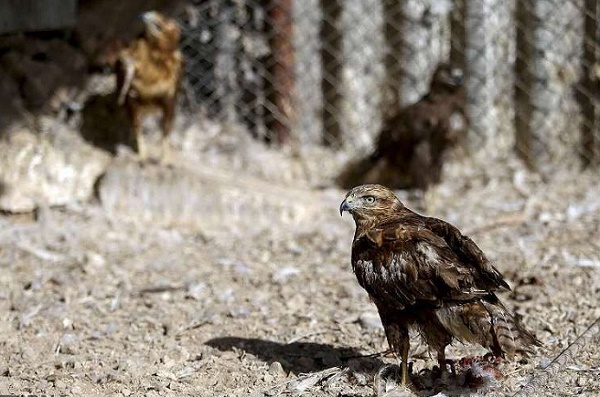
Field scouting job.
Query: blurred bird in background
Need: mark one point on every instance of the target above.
(148, 77)
(421, 272)
(411, 147)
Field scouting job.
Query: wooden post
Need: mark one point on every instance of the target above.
(283, 82)
(524, 82)
(458, 34)
(490, 34)
(588, 96)
(425, 33)
(331, 52)
(392, 29)
(555, 30)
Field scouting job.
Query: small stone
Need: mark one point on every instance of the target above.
(370, 320)
(39, 171)
(126, 392)
(196, 290)
(94, 259)
(296, 303)
(228, 355)
(268, 377)
(360, 378)
(59, 384)
(239, 311)
(281, 276)
(67, 323)
(276, 369)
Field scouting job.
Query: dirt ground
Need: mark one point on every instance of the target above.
(95, 300)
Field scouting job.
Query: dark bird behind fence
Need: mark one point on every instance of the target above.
(413, 144)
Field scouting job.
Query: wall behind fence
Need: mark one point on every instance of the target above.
(323, 72)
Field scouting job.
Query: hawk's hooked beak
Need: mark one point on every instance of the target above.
(346, 205)
(457, 76)
(150, 19)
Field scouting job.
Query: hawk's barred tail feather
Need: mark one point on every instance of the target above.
(508, 336)
(490, 325)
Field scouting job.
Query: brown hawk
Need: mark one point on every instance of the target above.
(413, 144)
(148, 76)
(421, 272)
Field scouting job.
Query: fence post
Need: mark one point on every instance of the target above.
(331, 51)
(425, 42)
(458, 34)
(589, 94)
(283, 60)
(554, 30)
(524, 82)
(489, 56)
(392, 14)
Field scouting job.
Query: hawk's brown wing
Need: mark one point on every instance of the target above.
(409, 264)
(468, 253)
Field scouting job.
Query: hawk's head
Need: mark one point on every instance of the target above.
(161, 31)
(367, 202)
(446, 78)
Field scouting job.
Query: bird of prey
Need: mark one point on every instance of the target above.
(148, 76)
(422, 273)
(411, 146)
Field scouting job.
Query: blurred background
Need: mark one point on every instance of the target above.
(291, 90)
(226, 271)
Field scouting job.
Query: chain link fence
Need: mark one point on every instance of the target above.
(320, 72)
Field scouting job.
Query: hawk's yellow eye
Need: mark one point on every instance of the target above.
(370, 199)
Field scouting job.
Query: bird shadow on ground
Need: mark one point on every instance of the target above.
(307, 357)
(300, 357)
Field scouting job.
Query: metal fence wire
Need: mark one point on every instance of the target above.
(328, 72)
